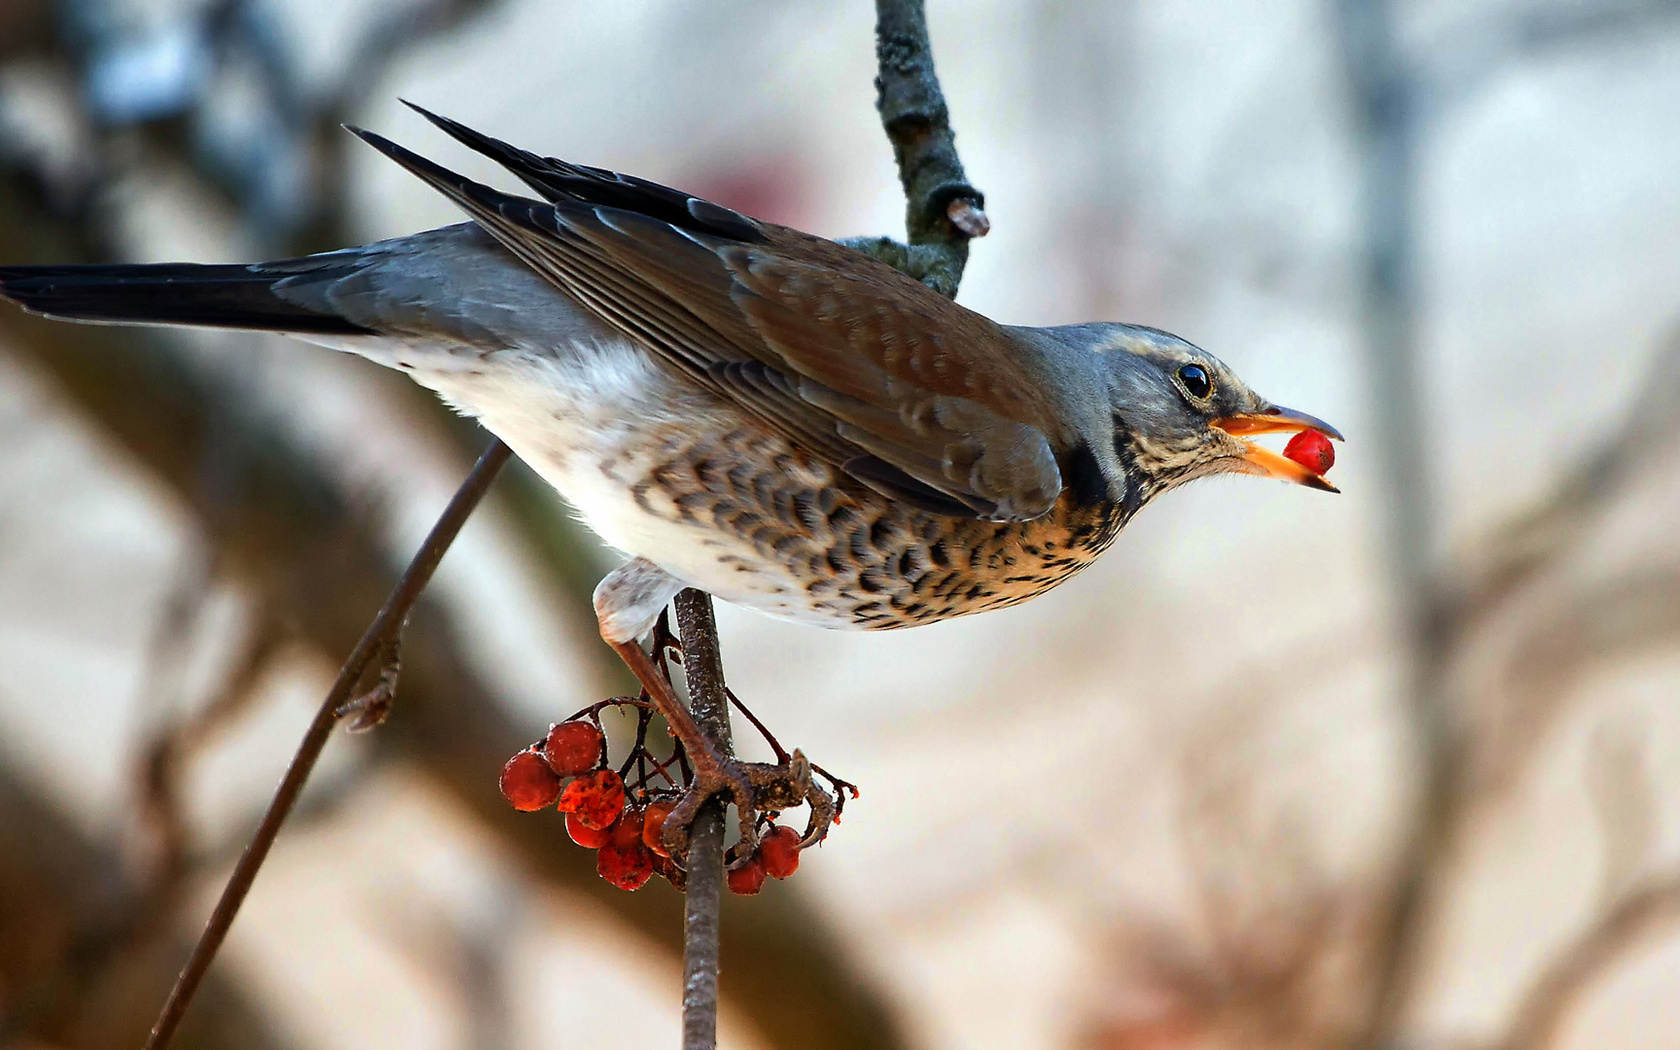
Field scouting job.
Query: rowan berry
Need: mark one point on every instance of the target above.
(588, 838)
(653, 826)
(780, 850)
(597, 798)
(528, 783)
(627, 867)
(1312, 450)
(748, 879)
(572, 748)
(627, 830)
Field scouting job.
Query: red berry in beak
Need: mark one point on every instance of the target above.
(1312, 450)
(780, 850)
(572, 748)
(528, 783)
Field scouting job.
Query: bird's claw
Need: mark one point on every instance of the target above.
(754, 788)
(725, 776)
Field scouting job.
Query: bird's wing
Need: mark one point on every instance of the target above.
(910, 393)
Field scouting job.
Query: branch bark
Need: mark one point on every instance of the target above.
(380, 638)
(1571, 975)
(942, 210)
(703, 670)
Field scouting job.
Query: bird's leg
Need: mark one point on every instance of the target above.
(714, 772)
(628, 602)
(795, 772)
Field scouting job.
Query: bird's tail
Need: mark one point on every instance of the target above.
(224, 296)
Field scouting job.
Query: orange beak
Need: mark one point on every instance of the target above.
(1269, 464)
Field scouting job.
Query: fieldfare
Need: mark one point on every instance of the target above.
(763, 414)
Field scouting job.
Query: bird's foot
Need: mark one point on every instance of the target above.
(759, 792)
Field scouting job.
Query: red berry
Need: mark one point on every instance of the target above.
(572, 748)
(528, 783)
(748, 879)
(780, 850)
(627, 830)
(1312, 450)
(627, 867)
(653, 826)
(597, 798)
(588, 838)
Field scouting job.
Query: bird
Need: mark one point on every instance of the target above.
(766, 415)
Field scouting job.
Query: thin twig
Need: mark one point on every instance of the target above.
(1575, 971)
(378, 638)
(942, 209)
(703, 670)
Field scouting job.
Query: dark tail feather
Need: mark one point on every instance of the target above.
(557, 181)
(233, 296)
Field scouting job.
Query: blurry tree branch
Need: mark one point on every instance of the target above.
(942, 211)
(1578, 968)
(81, 967)
(1435, 619)
(1490, 42)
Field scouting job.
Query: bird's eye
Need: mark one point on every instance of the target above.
(1195, 380)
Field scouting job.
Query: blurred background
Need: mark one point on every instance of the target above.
(1396, 768)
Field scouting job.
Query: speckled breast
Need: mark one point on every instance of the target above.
(800, 539)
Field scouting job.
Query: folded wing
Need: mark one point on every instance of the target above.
(910, 393)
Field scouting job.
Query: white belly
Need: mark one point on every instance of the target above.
(594, 422)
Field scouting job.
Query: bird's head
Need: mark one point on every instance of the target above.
(1178, 413)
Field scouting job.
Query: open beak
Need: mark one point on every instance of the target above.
(1268, 463)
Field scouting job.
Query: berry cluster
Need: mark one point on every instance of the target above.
(620, 813)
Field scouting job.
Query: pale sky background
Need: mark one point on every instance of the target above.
(1187, 165)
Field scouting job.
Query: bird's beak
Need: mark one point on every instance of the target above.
(1268, 463)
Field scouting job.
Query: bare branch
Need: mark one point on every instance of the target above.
(1468, 55)
(942, 209)
(379, 637)
(1579, 967)
(703, 670)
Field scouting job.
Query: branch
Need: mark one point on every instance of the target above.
(942, 211)
(380, 638)
(703, 670)
(1385, 99)
(1552, 997)
(1467, 56)
(80, 965)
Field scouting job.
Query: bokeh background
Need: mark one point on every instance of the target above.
(1394, 768)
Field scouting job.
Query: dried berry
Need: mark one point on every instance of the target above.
(780, 850)
(627, 830)
(627, 867)
(748, 879)
(588, 838)
(528, 783)
(597, 798)
(1312, 450)
(572, 748)
(653, 826)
